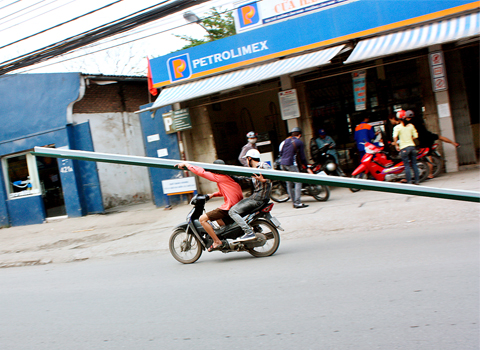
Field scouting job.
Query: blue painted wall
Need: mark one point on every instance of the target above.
(35, 103)
(4, 221)
(33, 112)
(152, 126)
(28, 210)
(86, 172)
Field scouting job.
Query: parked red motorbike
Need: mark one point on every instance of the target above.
(377, 165)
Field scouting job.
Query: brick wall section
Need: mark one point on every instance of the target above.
(120, 97)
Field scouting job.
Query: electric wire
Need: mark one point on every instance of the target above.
(84, 39)
(10, 4)
(99, 28)
(23, 9)
(103, 42)
(60, 24)
(110, 47)
(38, 15)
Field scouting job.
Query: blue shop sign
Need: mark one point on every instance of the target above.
(321, 29)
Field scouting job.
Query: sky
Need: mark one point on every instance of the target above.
(21, 18)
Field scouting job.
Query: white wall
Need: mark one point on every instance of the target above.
(119, 133)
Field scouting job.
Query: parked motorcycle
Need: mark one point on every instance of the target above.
(325, 160)
(189, 239)
(279, 191)
(436, 159)
(377, 165)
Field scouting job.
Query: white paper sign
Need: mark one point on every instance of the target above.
(162, 152)
(443, 110)
(152, 138)
(289, 104)
(178, 186)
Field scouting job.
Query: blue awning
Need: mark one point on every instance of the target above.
(415, 38)
(236, 79)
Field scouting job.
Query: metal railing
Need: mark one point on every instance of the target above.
(469, 196)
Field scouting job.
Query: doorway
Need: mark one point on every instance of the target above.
(51, 186)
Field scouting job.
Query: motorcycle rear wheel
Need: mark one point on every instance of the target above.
(184, 246)
(362, 175)
(320, 192)
(273, 238)
(279, 192)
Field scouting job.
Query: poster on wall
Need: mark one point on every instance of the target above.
(360, 90)
(289, 104)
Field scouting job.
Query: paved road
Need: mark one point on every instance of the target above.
(144, 228)
(415, 288)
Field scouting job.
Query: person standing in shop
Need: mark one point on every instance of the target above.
(251, 144)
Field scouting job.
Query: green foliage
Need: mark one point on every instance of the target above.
(219, 25)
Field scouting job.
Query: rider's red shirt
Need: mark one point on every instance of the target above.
(227, 187)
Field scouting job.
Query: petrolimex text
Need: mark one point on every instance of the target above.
(229, 54)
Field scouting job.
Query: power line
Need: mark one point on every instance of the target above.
(38, 15)
(92, 36)
(61, 24)
(23, 9)
(134, 33)
(9, 4)
(117, 45)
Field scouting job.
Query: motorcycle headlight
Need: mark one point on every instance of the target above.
(331, 166)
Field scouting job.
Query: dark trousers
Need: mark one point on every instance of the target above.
(409, 155)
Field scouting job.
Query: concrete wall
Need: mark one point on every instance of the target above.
(118, 133)
(200, 144)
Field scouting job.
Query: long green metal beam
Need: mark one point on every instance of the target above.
(469, 196)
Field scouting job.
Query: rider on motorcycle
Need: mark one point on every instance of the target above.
(324, 139)
(227, 188)
(261, 193)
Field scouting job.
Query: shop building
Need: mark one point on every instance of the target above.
(413, 55)
(75, 111)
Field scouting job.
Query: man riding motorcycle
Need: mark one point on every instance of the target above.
(260, 195)
(227, 188)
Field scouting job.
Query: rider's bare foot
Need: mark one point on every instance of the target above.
(215, 245)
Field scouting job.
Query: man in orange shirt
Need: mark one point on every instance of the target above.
(364, 132)
(227, 188)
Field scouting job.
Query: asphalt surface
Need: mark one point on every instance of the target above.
(143, 228)
(411, 289)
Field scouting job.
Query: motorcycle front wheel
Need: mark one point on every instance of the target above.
(279, 192)
(273, 238)
(362, 175)
(423, 171)
(437, 163)
(184, 246)
(320, 192)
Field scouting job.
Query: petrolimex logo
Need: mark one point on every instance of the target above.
(248, 16)
(179, 67)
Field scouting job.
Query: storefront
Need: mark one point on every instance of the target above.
(232, 85)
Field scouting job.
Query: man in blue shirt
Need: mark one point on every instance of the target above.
(293, 156)
(364, 132)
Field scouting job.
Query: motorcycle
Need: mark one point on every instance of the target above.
(189, 239)
(279, 191)
(436, 159)
(325, 160)
(376, 164)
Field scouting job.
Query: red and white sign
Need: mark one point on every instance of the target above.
(437, 69)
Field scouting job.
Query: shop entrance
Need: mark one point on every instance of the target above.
(51, 185)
